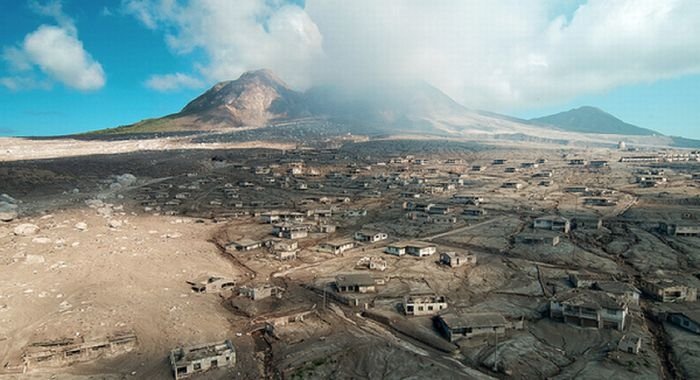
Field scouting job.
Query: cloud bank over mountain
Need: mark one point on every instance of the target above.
(495, 55)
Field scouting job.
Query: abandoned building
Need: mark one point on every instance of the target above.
(420, 249)
(589, 308)
(419, 305)
(668, 290)
(370, 236)
(285, 249)
(73, 350)
(188, 361)
(585, 280)
(576, 189)
(599, 202)
(244, 245)
(674, 229)
(372, 263)
(336, 247)
(210, 284)
(512, 185)
(290, 231)
(577, 162)
(630, 344)
(258, 292)
(586, 222)
(468, 199)
(456, 325)
(274, 217)
(355, 283)
(598, 164)
(640, 159)
(553, 223)
(530, 238)
(396, 249)
(473, 212)
(455, 259)
(442, 219)
(622, 291)
(688, 319)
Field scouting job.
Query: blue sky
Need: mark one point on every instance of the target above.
(136, 59)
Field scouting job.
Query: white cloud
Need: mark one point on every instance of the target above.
(494, 55)
(172, 82)
(237, 35)
(61, 56)
(56, 51)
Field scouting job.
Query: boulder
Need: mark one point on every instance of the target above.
(114, 223)
(26, 229)
(81, 226)
(126, 179)
(41, 240)
(34, 259)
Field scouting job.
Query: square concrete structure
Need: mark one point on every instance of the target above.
(424, 305)
(454, 259)
(211, 284)
(630, 344)
(189, 361)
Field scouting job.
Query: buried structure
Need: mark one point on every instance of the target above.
(188, 361)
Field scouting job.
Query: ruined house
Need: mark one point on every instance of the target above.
(630, 344)
(285, 249)
(396, 249)
(553, 223)
(468, 199)
(456, 325)
(586, 222)
(675, 229)
(512, 185)
(290, 231)
(442, 219)
(244, 245)
(668, 290)
(188, 361)
(419, 305)
(258, 292)
(370, 236)
(622, 291)
(589, 308)
(473, 212)
(63, 352)
(355, 283)
(455, 259)
(688, 319)
(336, 247)
(599, 202)
(210, 284)
(372, 263)
(537, 238)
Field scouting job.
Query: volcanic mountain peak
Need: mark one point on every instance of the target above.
(253, 99)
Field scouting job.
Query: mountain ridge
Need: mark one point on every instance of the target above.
(589, 119)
